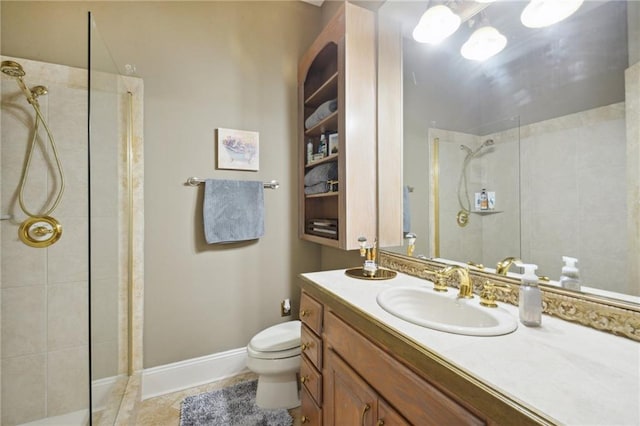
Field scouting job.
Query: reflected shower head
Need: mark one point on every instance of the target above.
(39, 91)
(12, 69)
(488, 142)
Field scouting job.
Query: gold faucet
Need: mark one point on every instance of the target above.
(369, 252)
(411, 243)
(466, 289)
(503, 266)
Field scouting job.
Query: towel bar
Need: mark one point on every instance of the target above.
(194, 181)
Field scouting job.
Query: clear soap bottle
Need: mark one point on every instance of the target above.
(484, 200)
(570, 278)
(530, 302)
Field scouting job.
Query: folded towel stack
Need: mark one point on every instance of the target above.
(316, 179)
(322, 112)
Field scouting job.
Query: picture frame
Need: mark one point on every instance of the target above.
(238, 149)
(333, 143)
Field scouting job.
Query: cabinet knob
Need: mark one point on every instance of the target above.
(304, 379)
(380, 423)
(304, 313)
(305, 346)
(304, 419)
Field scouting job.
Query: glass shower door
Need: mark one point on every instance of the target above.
(109, 230)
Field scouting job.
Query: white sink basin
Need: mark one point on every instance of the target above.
(445, 312)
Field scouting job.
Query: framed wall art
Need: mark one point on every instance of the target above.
(238, 149)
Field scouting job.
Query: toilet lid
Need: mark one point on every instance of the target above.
(276, 338)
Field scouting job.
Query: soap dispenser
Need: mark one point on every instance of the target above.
(530, 302)
(570, 278)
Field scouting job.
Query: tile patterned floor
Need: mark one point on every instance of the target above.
(165, 410)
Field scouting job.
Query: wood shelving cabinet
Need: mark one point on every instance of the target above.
(340, 65)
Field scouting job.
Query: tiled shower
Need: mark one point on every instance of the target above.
(65, 330)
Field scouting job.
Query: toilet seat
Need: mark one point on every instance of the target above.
(278, 341)
(273, 355)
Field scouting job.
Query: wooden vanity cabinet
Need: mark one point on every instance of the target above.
(353, 381)
(340, 65)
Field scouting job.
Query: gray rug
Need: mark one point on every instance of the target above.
(233, 406)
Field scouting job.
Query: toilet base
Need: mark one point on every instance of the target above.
(278, 391)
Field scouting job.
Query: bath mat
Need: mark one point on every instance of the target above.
(231, 406)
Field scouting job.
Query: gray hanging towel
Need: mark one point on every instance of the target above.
(233, 210)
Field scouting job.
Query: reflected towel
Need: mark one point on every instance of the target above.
(318, 188)
(406, 210)
(233, 210)
(322, 112)
(321, 173)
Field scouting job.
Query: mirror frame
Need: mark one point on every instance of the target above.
(613, 316)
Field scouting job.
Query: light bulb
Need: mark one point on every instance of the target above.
(542, 13)
(436, 24)
(483, 44)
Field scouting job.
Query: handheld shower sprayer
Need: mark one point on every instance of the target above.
(462, 217)
(15, 70)
(39, 230)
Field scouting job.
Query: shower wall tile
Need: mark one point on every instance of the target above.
(104, 359)
(104, 305)
(74, 201)
(67, 380)
(67, 315)
(68, 258)
(21, 265)
(23, 321)
(582, 200)
(24, 389)
(602, 144)
(104, 247)
(601, 191)
(68, 119)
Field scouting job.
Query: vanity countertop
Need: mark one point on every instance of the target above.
(573, 374)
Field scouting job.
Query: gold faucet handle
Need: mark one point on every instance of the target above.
(475, 265)
(439, 283)
(488, 293)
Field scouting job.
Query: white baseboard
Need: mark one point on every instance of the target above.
(181, 375)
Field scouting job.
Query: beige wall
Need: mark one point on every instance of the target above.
(205, 65)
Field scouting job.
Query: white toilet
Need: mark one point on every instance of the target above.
(274, 354)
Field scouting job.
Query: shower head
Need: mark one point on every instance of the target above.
(15, 70)
(488, 142)
(39, 91)
(12, 69)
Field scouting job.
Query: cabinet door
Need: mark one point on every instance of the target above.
(348, 400)
(387, 416)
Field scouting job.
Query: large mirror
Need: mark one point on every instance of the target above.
(531, 153)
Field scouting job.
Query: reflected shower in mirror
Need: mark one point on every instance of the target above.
(563, 167)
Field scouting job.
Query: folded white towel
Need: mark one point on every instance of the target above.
(233, 210)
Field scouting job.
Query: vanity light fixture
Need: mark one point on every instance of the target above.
(542, 13)
(436, 24)
(485, 42)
